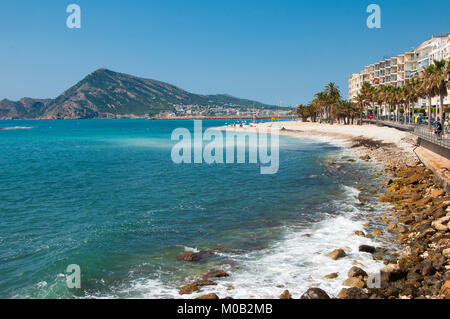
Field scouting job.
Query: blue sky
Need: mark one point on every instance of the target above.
(270, 51)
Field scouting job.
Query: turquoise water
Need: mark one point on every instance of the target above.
(104, 194)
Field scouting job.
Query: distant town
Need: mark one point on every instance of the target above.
(228, 110)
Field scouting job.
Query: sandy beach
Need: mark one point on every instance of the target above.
(383, 144)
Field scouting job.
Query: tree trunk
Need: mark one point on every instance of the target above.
(441, 110)
(429, 112)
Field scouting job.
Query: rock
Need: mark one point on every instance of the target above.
(202, 283)
(437, 193)
(215, 274)
(285, 295)
(315, 293)
(427, 268)
(356, 272)
(188, 256)
(377, 232)
(414, 277)
(391, 227)
(391, 273)
(332, 276)
(336, 254)
(442, 224)
(188, 289)
(360, 233)
(367, 249)
(352, 293)
(208, 296)
(354, 282)
(402, 229)
(230, 287)
(445, 290)
(446, 253)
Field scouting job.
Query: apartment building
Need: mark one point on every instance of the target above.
(396, 71)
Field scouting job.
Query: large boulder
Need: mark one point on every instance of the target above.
(188, 256)
(355, 282)
(188, 289)
(356, 272)
(202, 283)
(208, 296)
(352, 293)
(367, 249)
(215, 274)
(285, 295)
(336, 254)
(315, 293)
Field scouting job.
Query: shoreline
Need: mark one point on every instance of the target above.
(419, 216)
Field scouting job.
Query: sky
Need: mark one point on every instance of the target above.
(269, 51)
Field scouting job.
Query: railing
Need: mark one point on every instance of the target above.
(420, 130)
(424, 133)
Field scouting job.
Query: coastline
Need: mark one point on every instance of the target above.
(418, 217)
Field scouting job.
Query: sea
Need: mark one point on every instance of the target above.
(106, 195)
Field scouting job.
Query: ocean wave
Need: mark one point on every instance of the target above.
(296, 263)
(17, 128)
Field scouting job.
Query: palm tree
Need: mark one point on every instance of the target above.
(412, 91)
(333, 98)
(428, 88)
(438, 82)
(366, 93)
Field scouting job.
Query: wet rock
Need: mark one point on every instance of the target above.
(356, 272)
(352, 293)
(367, 249)
(402, 229)
(215, 274)
(360, 233)
(202, 283)
(354, 282)
(285, 295)
(188, 289)
(332, 276)
(377, 232)
(336, 254)
(391, 227)
(208, 296)
(188, 256)
(315, 293)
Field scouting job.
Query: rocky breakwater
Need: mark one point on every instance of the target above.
(420, 221)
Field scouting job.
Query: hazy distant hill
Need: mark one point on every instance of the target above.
(108, 94)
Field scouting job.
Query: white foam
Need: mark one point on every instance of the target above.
(18, 128)
(297, 262)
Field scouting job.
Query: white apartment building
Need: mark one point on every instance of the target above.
(396, 71)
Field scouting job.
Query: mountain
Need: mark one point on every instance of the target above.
(108, 94)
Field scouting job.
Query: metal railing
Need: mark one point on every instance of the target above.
(424, 133)
(420, 130)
